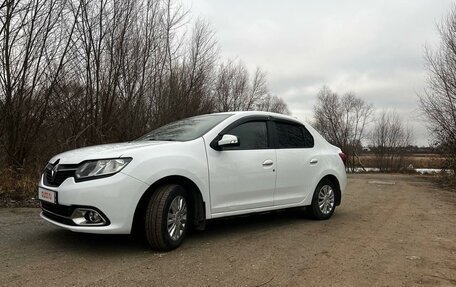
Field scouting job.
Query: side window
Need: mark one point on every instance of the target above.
(251, 135)
(293, 136)
(308, 138)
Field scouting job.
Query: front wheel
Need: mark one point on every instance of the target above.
(323, 201)
(167, 218)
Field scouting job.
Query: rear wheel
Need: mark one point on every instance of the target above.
(167, 217)
(323, 201)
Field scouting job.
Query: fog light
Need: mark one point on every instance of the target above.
(84, 216)
(93, 217)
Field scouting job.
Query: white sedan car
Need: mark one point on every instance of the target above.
(196, 169)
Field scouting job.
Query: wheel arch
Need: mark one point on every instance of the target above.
(196, 198)
(338, 193)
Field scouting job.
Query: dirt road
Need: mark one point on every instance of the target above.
(389, 231)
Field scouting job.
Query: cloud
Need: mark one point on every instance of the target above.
(374, 49)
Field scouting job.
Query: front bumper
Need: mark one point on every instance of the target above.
(116, 197)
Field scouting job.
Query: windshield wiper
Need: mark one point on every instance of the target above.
(158, 139)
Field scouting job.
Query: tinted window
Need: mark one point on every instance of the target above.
(308, 138)
(293, 136)
(251, 135)
(186, 129)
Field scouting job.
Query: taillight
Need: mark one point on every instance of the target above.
(343, 157)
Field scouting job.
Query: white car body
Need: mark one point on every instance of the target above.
(229, 182)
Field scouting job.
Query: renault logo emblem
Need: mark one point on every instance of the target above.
(54, 171)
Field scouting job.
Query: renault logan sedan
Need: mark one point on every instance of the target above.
(190, 171)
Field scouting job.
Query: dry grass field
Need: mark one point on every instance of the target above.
(416, 160)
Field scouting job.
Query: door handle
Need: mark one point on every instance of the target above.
(268, 162)
(314, 161)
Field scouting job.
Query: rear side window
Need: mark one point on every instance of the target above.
(293, 136)
(251, 135)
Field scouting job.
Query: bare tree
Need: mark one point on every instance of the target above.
(342, 120)
(33, 55)
(234, 91)
(390, 137)
(231, 85)
(273, 104)
(438, 102)
(257, 91)
(81, 72)
(197, 72)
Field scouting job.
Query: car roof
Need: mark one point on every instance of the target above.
(261, 113)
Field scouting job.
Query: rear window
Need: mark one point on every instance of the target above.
(293, 136)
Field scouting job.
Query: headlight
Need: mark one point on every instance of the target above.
(100, 168)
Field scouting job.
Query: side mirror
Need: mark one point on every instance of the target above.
(228, 140)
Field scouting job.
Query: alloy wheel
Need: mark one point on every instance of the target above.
(177, 217)
(326, 199)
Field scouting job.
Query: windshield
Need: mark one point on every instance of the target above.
(186, 129)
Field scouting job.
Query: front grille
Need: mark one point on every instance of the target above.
(58, 209)
(63, 213)
(57, 218)
(56, 212)
(61, 173)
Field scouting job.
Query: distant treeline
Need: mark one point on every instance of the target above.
(411, 149)
(76, 73)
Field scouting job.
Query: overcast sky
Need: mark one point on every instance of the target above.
(372, 48)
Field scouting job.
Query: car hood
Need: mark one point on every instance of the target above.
(114, 150)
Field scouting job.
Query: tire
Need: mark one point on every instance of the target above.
(324, 196)
(167, 202)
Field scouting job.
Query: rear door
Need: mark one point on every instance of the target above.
(243, 177)
(297, 162)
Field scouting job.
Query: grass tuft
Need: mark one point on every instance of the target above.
(17, 188)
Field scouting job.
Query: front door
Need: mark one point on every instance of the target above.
(243, 177)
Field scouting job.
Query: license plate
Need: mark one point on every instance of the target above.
(47, 195)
